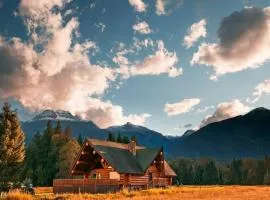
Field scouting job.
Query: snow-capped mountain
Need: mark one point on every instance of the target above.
(55, 115)
(77, 125)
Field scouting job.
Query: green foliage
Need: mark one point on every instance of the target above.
(119, 138)
(111, 137)
(206, 171)
(125, 139)
(12, 149)
(50, 155)
(80, 140)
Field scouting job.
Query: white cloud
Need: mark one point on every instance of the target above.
(162, 4)
(61, 76)
(244, 43)
(138, 5)
(195, 31)
(100, 26)
(142, 28)
(261, 89)
(162, 61)
(181, 107)
(106, 114)
(205, 109)
(226, 110)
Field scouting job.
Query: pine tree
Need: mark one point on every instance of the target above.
(80, 140)
(111, 137)
(125, 139)
(58, 128)
(119, 138)
(12, 150)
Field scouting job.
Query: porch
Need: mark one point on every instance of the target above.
(85, 186)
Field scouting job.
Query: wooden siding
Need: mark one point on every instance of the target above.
(104, 173)
(85, 186)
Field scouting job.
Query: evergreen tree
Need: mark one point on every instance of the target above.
(111, 137)
(236, 168)
(198, 174)
(12, 150)
(210, 175)
(119, 138)
(58, 128)
(66, 156)
(80, 140)
(125, 139)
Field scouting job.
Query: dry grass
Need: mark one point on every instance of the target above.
(173, 193)
(18, 196)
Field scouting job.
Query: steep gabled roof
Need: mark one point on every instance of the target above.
(121, 159)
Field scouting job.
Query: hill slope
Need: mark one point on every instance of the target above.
(241, 136)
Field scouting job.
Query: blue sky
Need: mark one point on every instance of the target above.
(141, 96)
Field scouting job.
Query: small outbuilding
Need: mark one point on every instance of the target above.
(105, 166)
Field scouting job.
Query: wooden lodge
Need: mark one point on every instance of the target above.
(105, 166)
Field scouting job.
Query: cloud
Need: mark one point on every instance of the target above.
(181, 107)
(138, 5)
(142, 28)
(60, 75)
(100, 26)
(195, 31)
(244, 43)
(162, 4)
(261, 89)
(226, 110)
(106, 114)
(162, 61)
(205, 109)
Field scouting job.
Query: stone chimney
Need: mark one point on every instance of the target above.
(132, 147)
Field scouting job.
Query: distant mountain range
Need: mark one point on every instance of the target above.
(241, 136)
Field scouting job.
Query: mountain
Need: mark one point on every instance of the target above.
(78, 126)
(241, 136)
(55, 115)
(145, 136)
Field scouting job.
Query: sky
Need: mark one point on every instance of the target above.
(169, 65)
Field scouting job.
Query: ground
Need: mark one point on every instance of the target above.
(173, 193)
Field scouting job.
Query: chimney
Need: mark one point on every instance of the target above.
(132, 147)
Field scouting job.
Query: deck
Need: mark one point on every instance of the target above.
(85, 186)
(100, 185)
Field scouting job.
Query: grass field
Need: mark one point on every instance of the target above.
(173, 193)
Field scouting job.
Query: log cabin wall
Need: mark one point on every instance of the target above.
(103, 173)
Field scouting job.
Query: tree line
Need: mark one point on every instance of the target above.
(208, 171)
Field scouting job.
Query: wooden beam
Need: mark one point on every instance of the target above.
(82, 162)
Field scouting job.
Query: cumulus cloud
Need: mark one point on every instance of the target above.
(162, 4)
(60, 75)
(181, 107)
(162, 61)
(142, 28)
(138, 5)
(196, 31)
(244, 43)
(226, 110)
(261, 89)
